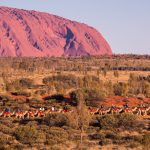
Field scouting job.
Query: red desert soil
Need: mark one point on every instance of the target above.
(119, 101)
(114, 100)
(19, 97)
(31, 33)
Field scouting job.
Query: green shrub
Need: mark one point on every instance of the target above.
(74, 134)
(3, 97)
(40, 92)
(105, 142)
(56, 136)
(93, 96)
(108, 122)
(5, 139)
(129, 122)
(121, 121)
(17, 85)
(57, 120)
(134, 144)
(73, 97)
(112, 135)
(26, 134)
(25, 82)
(7, 123)
(34, 101)
(146, 141)
(97, 136)
(137, 138)
(65, 81)
(5, 129)
(55, 147)
(16, 147)
(120, 89)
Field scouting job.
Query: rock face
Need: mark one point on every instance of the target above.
(37, 34)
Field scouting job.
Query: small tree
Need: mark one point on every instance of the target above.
(147, 89)
(116, 74)
(109, 88)
(5, 80)
(120, 89)
(73, 97)
(105, 72)
(98, 72)
(83, 115)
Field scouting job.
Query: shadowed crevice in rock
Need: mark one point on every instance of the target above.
(69, 40)
(11, 37)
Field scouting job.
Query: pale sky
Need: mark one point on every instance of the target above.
(125, 24)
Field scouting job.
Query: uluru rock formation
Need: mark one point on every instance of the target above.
(37, 34)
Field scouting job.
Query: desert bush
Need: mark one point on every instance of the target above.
(116, 73)
(104, 72)
(33, 101)
(134, 138)
(134, 144)
(19, 84)
(115, 137)
(40, 92)
(63, 80)
(93, 94)
(8, 122)
(111, 134)
(26, 134)
(73, 97)
(50, 102)
(74, 134)
(108, 122)
(120, 89)
(32, 123)
(139, 85)
(2, 146)
(133, 141)
(56, 136)
(129, 122)
(22, 106)
(73, 120)
(104, 141)
(121, 121)
(57, 120)
(4, 98)
(147, 89)
(91, 81)
(41, 137)
(97, 136)
(55, 147)
(26, 82)
(16, 147)
(146, 141)
(5, 139)
(5, 129)
(108, 88)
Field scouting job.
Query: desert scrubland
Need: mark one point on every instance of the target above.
(75, 103)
